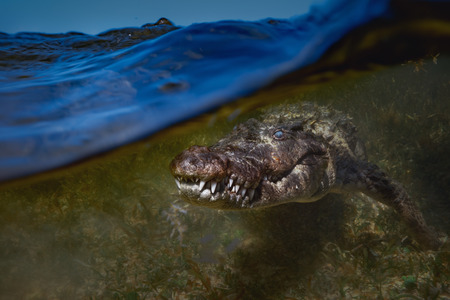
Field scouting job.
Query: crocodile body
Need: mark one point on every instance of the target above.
(293, 153)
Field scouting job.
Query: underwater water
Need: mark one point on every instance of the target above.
(115, 227)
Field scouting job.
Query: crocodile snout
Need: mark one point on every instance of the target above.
(199, 162)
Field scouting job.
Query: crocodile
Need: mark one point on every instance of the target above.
(291, 153)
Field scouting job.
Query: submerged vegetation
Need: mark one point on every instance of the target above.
(116, 229)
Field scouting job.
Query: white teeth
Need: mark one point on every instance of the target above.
(223, 189)
(202, 185)
(230, 184)
(213, 186)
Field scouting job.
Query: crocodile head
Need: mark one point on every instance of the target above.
(265, 162)
(293, 153)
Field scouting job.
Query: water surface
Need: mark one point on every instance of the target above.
(69, 96)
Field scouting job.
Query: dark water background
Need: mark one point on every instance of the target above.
(115, 228)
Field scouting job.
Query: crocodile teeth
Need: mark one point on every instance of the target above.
(230, 183)
(226, 189)
(213, 186)
(202, 185)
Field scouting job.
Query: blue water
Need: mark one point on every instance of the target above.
(65, 97)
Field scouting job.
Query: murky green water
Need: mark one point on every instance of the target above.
(115, 228)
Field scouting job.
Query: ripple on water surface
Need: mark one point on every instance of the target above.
(69, 96)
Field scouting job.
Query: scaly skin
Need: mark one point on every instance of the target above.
(295, 153)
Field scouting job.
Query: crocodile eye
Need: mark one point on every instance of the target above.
(279, 135)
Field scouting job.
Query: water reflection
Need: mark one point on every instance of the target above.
(116, 228)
